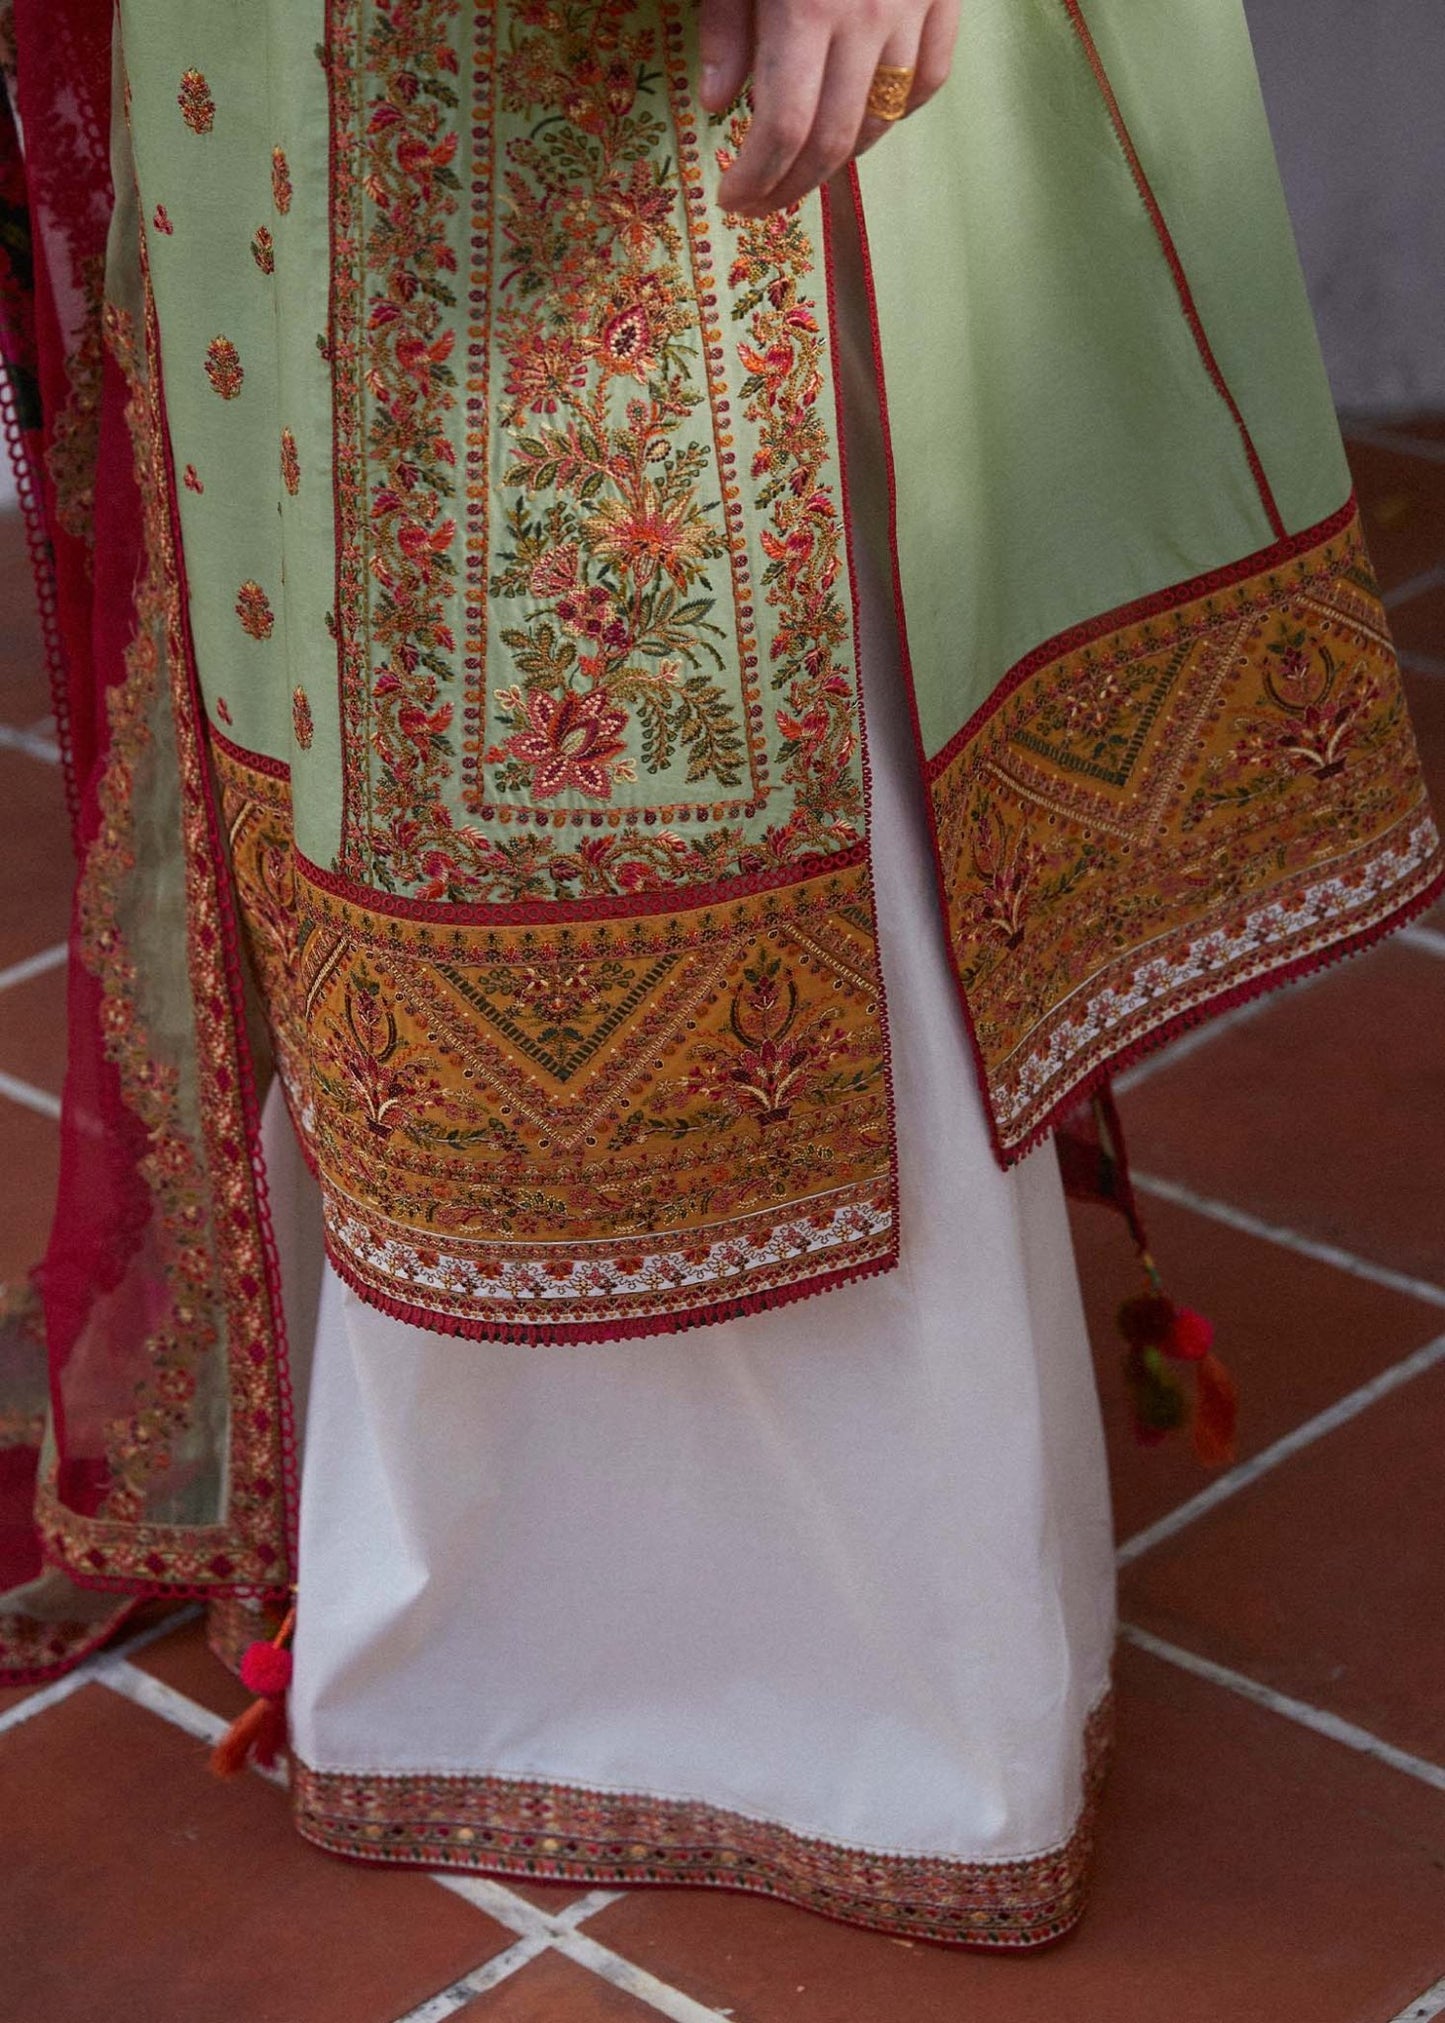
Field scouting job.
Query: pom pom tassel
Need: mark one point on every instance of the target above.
(1164, 1341)
(259, 1735)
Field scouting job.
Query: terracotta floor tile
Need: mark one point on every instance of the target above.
(1402, 499)
(32, 1030)
(1323, 1113)
(137, 1888)
(184, 1661)
(1249, 1872)
(35, 860)
(552, 1989)
(24, 684)
(1327, 1578)
(1419, 625)
(29, 1165)
(1297, 1336)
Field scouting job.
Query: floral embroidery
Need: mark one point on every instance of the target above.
(197, 1178)
(1134, 828)
(190, 479)
(290, 463)
(198, 108)
(74, 442)
(223, 367)
(253, 608)
(524, 1827)
(301, 720)
(606, 580)
(280, 181)
(562, 1132)
(263, 250)
(571, 742)
(162, 221)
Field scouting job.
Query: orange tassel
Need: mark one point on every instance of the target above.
(1216, 1413)
(259, 1735)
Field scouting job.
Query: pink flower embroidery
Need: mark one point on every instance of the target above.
(573, 741)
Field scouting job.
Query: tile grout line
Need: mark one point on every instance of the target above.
(538, 1929)
(34, 747)
(1424, 2007)
(34, 965)
(1290, 1239)
(1428, 939)
(560, 1932)
(28, 1096)
(1333, 1726)
(499, 1968)
(1429, 579)
(1269, 1458)
(88, 1671)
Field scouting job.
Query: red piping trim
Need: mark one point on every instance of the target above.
(560, 913)
(1275, 556)
(830, 279)
(1075, 12)
(549, 1334)
(906, 659)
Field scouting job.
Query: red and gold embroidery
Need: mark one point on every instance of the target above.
(638, 654)
(1176, 806)
(569, 1132)
(518, 1827)
(253, 608)
(223, 367)
(198, 108)
(281, 191)
(263, 250)
(302, 724)
(290, 463)
(161, 220)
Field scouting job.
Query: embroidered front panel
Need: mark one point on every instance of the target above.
(512, 1827)
(570, 1131)
(1174, 806)
(592, 607)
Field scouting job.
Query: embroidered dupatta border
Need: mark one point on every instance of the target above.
(552, 1831)
(249, 1546)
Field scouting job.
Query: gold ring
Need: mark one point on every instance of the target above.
(888, 93)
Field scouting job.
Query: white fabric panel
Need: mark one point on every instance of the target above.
(845, 1565)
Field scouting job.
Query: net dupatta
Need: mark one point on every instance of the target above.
(145, 1443)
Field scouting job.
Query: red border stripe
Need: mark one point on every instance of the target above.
(1075, 12)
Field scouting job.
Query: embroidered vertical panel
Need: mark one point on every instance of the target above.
(591, 1035)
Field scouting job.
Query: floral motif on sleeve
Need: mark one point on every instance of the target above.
(223, 367)
(263, 250)
(253, 608)
(281, 191)
(290, 463)
(198, 108)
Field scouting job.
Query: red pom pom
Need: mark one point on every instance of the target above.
(266, 1670)
(1191, 1337)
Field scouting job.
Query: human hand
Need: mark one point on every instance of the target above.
(812, 63)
